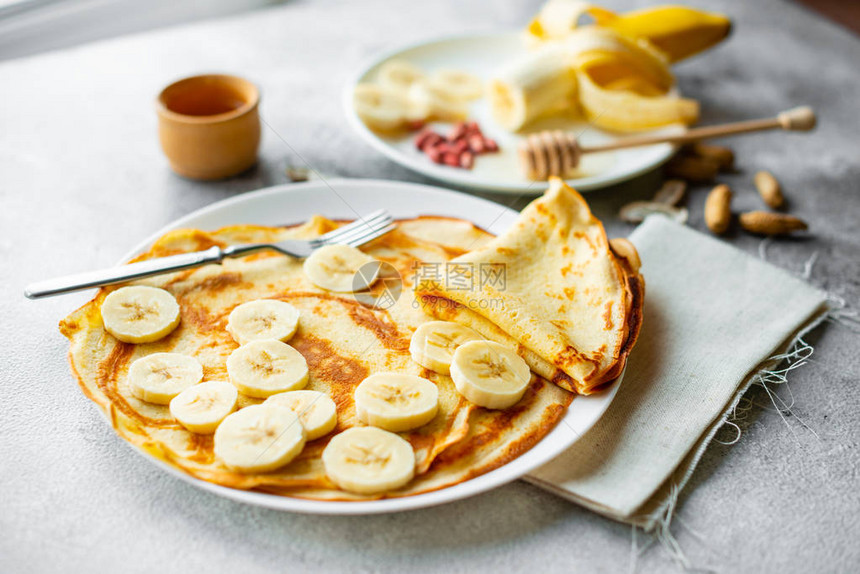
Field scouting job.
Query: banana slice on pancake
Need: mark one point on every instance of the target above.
(259, 438)
(140, 314)
(159, 377)
(368, 460)
(489, 374)
(316, 411)
(459, 85)
(266, 367)
(201, 408)
(336, 268)
(263, 319)
(396, 402)
(433, 344)
(399, 74)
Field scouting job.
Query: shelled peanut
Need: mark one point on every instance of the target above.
(458, 148)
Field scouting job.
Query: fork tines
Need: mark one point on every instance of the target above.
(360, 231)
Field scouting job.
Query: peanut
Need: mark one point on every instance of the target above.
(718, 212)
(693, 168)
(768, 189)
(767, 223)
(724, 156)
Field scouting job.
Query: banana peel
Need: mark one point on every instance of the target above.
(677, 31)
(620, 63)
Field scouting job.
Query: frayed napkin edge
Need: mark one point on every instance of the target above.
(658, 520)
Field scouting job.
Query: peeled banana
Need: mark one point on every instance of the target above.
(368, 460)
(536, 85)
(140, 314)
(263, 319)
(489, 374)
(159, 377)
(259, 438)
(201, 408)
(395, 401)
(266, 367)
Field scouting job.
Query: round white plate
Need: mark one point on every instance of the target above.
(482, 55)
(343, 199)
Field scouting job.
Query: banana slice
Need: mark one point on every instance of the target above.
(335, 268)
(368, 460)
(438, 103)
(263, 319)
(201, 408)
(159, 377)
(316, 411)
(140, 314)
(396, 402)
(266, 367)
(489, 374)
(399, 75)
(459, 85)
(433, 344)
(259, 438)
(385, 109)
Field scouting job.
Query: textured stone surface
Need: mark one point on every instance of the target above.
(83, 179)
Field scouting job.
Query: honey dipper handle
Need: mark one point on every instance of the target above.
(797, 119)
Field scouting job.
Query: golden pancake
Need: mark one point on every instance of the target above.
(551, 287)
(343, 341)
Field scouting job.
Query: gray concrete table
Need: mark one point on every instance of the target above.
(82, 179)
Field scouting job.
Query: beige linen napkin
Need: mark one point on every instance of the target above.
(715, 319)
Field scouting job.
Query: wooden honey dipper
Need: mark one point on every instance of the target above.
(549, 153)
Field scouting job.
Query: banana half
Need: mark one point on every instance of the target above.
(489, 374)
(266, 367)
(316, 411)
(159, 377)
(263, 319)
(396, 402)
(259, 438)
(433, 344)
(140, 314)
(368, 460)
(201, 408)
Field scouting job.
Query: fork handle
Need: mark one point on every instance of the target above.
(123, 273)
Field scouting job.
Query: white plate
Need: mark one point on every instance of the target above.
(482, 55)
(342, 199)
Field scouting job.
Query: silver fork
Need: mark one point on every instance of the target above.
(356, 233)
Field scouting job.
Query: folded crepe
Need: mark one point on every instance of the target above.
(554, 287)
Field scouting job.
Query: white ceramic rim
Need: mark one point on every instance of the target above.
(583, 184)
(367, 195)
